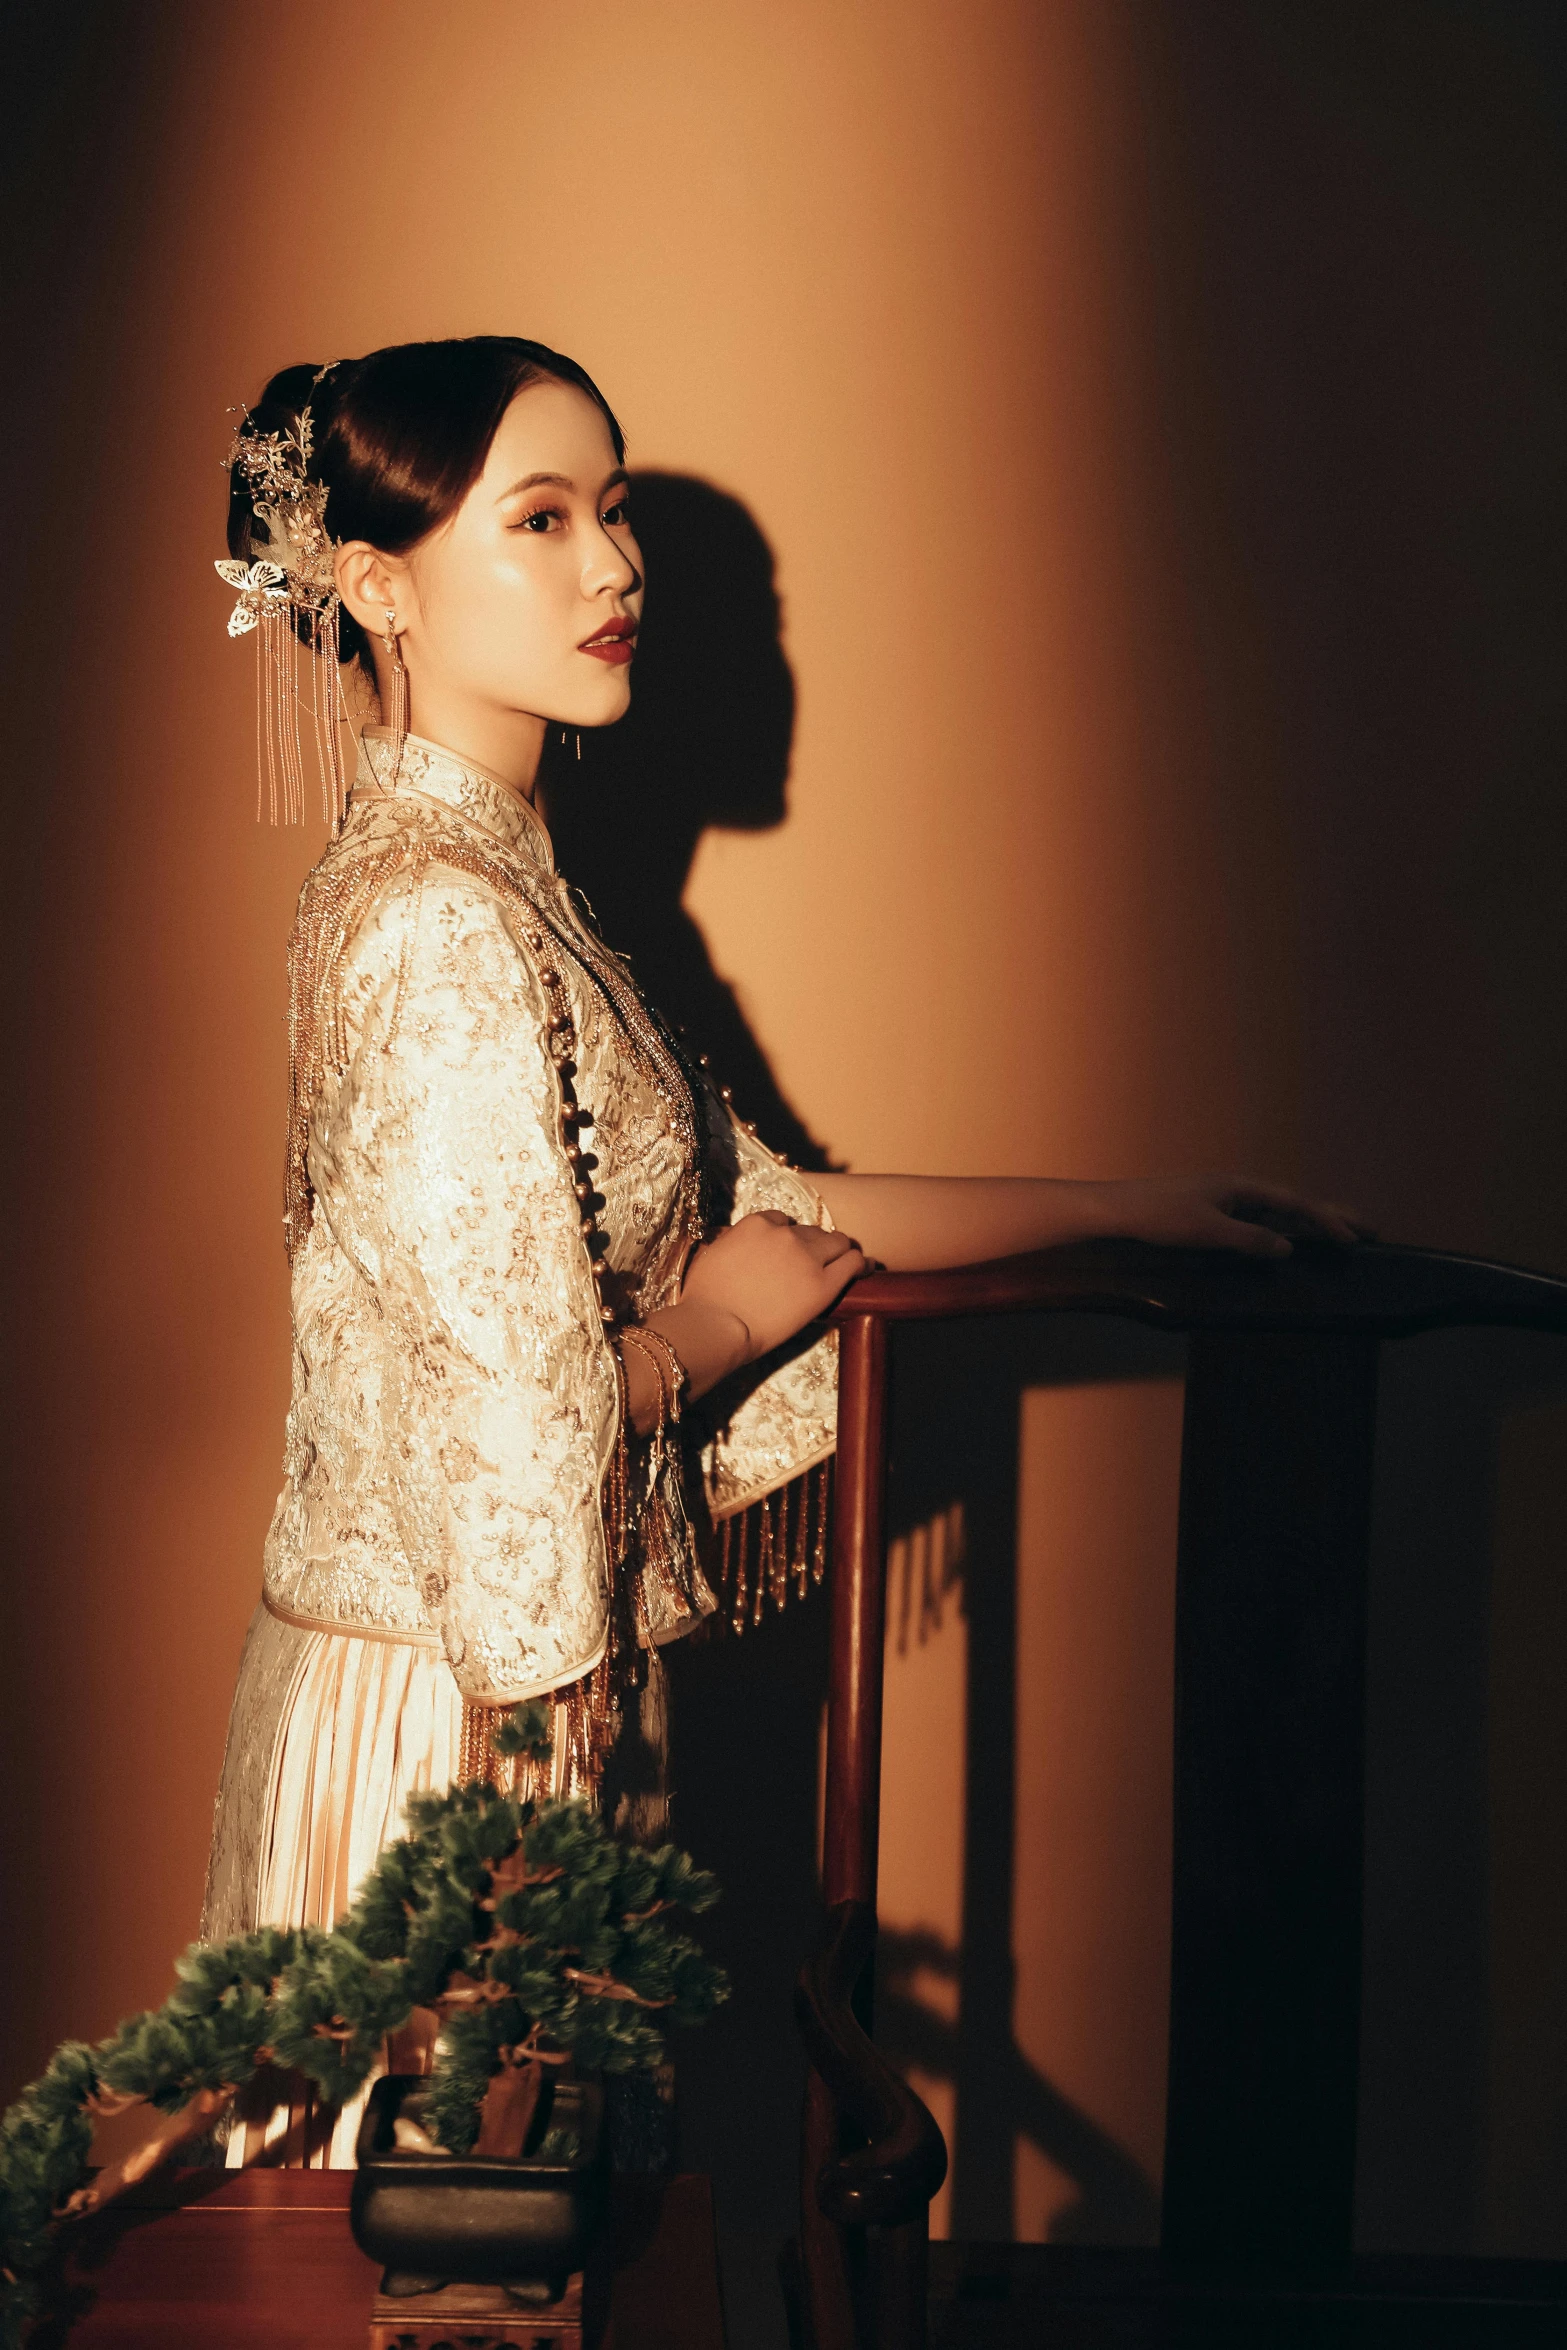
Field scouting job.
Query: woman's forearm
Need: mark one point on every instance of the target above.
(918, 1223)
(708, 1342)
(765, 1276)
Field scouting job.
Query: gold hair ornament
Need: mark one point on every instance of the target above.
(291, 576)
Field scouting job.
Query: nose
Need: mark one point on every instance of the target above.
(609, 569)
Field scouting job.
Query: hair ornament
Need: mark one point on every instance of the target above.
(259, 585)
(288, 601)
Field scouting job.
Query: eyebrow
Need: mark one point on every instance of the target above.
(559, 481)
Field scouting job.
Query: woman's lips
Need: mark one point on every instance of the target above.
(617, 643)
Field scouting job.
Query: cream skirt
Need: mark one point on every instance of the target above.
(329, 1736)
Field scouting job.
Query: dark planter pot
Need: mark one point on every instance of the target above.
(436, 2219)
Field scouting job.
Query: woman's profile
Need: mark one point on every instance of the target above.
(526, 1232)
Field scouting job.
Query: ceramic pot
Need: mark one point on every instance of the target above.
(436, 2219)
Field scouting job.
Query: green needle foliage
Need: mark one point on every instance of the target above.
(530, 1929)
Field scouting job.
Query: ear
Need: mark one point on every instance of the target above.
(369, 582)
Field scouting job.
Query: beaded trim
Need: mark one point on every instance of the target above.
(762, 1556)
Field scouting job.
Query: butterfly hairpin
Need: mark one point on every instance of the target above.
(260, 585)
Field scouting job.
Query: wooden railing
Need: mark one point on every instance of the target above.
(1270, 1675)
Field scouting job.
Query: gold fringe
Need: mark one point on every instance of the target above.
(737, 1617)
(788, 1531)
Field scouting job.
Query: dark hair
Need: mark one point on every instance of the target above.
(400, 437)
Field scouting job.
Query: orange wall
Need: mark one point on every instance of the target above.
(899, 277)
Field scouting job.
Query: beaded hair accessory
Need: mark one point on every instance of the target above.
(288, 601)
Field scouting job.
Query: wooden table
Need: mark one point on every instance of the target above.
(263, 2260)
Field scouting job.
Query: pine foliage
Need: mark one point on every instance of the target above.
(527, 1926)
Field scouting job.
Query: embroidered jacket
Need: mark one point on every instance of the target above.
(454, 1396)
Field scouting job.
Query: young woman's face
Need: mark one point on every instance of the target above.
(528, 599)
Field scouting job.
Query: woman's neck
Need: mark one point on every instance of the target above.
(508, 743)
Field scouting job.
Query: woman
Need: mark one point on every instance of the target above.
(525, 1232)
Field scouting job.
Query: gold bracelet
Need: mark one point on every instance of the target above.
(678, 1375)
(626, 1336)
(668, 1369)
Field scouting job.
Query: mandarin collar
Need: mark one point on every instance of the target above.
(428, 772)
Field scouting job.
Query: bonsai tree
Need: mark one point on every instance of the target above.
(529, 1935)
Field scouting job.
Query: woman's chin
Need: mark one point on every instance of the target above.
(600, 709)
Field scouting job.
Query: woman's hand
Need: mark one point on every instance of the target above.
(773, 1275)
(1225, 1211)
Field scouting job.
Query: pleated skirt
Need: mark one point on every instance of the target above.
(328, 1737)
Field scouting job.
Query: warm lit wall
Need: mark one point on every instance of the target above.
(1086, 870)
(870, 278)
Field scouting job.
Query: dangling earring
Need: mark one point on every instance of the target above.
(579, 740)
(397, 715)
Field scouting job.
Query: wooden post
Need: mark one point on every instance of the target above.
(859, 1614)
(895, 2271)
(1270, 1686)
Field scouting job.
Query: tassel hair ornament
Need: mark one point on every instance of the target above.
(287, 600)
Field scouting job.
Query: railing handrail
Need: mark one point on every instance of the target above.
(1374, 1290)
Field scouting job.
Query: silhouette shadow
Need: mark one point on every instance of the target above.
(706, 744)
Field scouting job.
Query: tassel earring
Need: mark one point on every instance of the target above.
(397, 715)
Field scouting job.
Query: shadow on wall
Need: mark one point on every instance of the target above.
(1117, 2202)
(706, 744)
(957, 1420)
(746, 1724)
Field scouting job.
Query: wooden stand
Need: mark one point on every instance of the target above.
(263, 2260)
(481, 2317)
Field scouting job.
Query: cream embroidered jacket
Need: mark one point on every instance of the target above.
(454, 1398)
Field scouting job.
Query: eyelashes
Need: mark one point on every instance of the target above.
(538, 519)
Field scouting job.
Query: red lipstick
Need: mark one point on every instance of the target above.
(616, 641)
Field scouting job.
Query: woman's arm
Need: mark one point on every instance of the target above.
(919, 1223)
(764, 1278)
(438, 1162)
(767, 1277)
